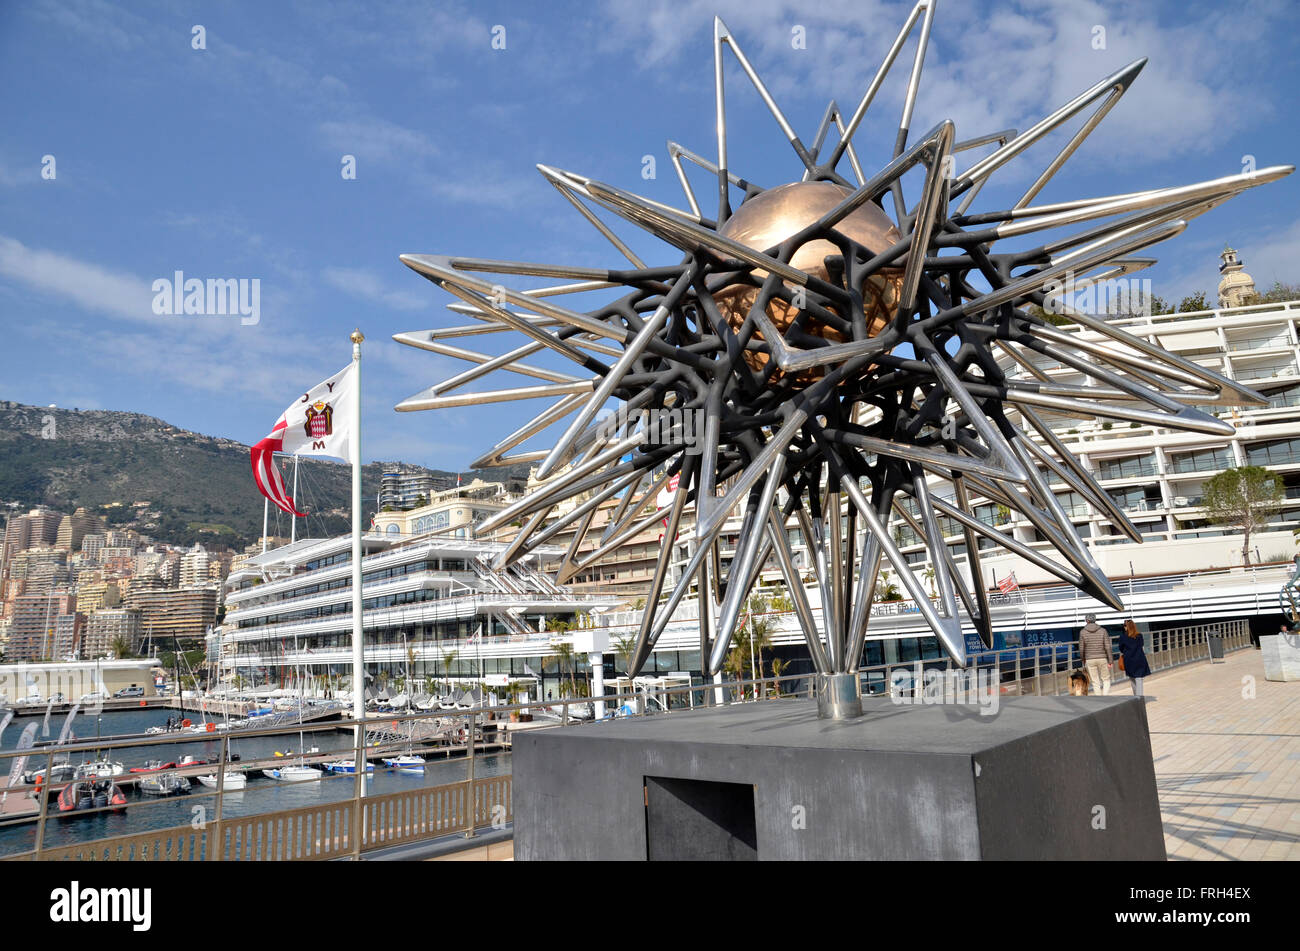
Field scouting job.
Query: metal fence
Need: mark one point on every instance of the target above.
(336, 829)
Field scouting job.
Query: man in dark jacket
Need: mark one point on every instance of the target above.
(1095, 652)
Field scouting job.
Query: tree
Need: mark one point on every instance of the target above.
(448, 658)
(752, 637)
(886, 590)
(1244, 499)
(564, 660)
(778, 669)
(408, 680)
(1193, 302)
(121, 647)
(624, 648)
(1276, 294)
(781, 600)
(1051, 317)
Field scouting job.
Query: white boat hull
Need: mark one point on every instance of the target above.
(406, 764)
(234, 781)
(293, 774)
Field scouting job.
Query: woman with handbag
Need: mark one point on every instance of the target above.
(1132, 658)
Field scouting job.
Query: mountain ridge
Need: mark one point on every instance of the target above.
(197, 487)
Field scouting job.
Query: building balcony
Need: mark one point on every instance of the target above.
(1273, 459)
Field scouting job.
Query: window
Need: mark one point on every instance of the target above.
(1074, 504)
(1130, 467)
(1274, 452)
(1203, 460)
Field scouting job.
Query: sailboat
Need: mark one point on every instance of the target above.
(301, 773)
(407, 762)
(234, 780)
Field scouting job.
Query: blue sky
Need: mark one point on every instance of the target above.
(225, 163)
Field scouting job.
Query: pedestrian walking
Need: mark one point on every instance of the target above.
(1132, 658)
(1094, 650)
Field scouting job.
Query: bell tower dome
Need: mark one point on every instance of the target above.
(1235, 285)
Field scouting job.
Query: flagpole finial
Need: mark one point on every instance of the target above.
(358, 336)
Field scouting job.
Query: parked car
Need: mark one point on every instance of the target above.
(132, 691)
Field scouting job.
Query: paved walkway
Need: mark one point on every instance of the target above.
(1227, 763)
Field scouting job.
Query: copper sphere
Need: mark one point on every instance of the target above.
(768, 218)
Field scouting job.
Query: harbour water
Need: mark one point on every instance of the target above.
(262, 794)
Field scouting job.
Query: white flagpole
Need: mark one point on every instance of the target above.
(293, 519)
(358, 657)
(266, 508)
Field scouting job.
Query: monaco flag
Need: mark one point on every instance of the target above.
(664, 499)
(318, 423)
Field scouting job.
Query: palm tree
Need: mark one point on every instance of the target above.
(778, 668)
(625, 647)
(781, 600)
(929, 578)
(564, 659)
(757, 631)
(121, 647)
(734, 665)
(448, 658)
(406, 680)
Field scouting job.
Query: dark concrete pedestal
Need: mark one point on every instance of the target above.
(1043, 778)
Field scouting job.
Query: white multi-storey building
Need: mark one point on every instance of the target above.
(290, 610)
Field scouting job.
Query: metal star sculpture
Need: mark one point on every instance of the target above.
(842, 364)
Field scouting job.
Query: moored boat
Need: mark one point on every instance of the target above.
(293, 774)
(346, 766)
(100, 769)
(164, 784)
(59, 772)
(89, 794)
(233, 781)
(152, 766)
(406, 763)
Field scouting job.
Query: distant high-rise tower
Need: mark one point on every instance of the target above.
(194, 567)
(1235, 285)
(75, 527)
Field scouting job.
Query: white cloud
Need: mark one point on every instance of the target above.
(378, 140)
(97, 21)
(987, 68)
(90, 286)
(366, 285)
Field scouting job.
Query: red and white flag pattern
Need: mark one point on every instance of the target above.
(1008, 583)
(664, 499)
(318, 423)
